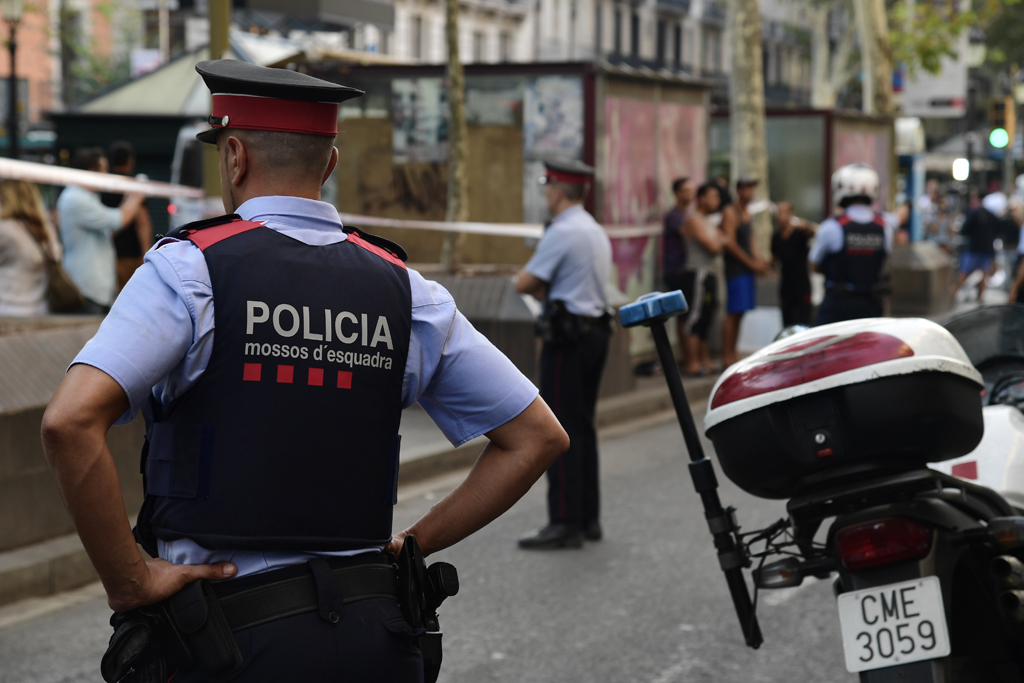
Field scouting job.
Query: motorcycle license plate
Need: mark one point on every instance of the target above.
(894, 624)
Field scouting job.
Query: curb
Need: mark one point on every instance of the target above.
(61, 563)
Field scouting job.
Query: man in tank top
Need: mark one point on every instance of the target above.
(742, 263)
(700, 286)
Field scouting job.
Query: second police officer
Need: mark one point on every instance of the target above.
(850, 250)
(569, 272)
(273, 351)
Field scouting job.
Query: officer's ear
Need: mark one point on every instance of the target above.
(236, 160)
(330, 165)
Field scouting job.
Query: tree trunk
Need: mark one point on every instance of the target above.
(823, 95)
(749, 153)
(458, 186)
(876, 56)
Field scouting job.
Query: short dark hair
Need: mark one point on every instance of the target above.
(679, 182)
(88, 158)
(710, 185)
(574, 192)
(291, 153)
(121, 153)
(855, 199)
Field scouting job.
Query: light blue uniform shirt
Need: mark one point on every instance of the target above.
(158, 338)
(575, 258)
(830, 238)
(86, 226)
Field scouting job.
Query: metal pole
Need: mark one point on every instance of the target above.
(12, 96)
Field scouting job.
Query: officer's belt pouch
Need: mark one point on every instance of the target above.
(198, 619)
(133, 653)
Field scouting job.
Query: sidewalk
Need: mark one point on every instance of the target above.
(61, 563)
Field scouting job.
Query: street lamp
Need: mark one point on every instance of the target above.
(11, 11)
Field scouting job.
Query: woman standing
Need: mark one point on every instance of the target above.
(27, 243)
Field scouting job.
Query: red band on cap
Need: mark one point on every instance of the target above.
(268, 113)
(568, 178)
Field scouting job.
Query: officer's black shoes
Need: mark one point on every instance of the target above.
(592, 531)
(553, 537)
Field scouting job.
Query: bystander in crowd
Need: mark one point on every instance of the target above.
(743, 263)
(135, 239)
(791, 245)
(979, 231)
(86, 227)
(700, 285)
(28, 243)
(674, 246)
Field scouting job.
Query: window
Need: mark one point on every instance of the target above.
(505, 46)
(677, 47)
(661, 47)
(634, 35)
(417, 37)
(713, 51)
(617, 31)
(478, 47)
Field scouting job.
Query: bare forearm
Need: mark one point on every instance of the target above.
(87, 479)
(495, 483)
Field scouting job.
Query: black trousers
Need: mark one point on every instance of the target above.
(371, 643)
(570, 374)
(839, 307)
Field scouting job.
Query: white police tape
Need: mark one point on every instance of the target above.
(46, 174)
(527, 230)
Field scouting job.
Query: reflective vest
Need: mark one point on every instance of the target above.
(858, 267)
(289, 438)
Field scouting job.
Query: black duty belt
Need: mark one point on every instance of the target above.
(275, 595)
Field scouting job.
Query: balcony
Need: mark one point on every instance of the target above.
(675, 8)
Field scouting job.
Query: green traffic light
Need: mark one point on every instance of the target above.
(999, 138)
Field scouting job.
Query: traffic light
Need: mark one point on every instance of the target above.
(1002, 119)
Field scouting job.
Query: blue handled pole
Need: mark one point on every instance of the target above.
(653, 310)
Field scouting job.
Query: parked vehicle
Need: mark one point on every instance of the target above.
(842, 420)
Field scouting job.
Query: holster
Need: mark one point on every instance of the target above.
(558, 326)
(196, 617)
(187, 628)
(421, 590)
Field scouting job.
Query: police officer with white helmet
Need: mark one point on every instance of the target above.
(850, 249)
(272, 351)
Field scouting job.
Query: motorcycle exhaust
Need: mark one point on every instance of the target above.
(1008, 571)
(1012, 604)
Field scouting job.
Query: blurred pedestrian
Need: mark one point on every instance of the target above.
(135, 239)
(791, 243)
(674, 244)
(569, 272)
(86, 226)
(851, 250)
(700, 285)
(742, 263)
(28, 243)
(980, 229)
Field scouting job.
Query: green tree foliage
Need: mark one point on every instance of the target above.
(925, 31)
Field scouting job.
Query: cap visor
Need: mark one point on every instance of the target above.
(209, 136)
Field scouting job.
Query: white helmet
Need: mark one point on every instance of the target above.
(854, 180)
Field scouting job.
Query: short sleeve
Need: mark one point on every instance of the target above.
(148, 332)
(549, 255)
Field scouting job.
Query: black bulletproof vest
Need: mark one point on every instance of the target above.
(858, 267)
(289, 439)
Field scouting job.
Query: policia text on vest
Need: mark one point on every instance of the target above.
(344, 327)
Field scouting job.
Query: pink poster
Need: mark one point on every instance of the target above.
(682, 148)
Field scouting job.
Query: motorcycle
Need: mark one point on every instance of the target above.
(843, 421)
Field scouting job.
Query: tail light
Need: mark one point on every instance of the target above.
(883, 541)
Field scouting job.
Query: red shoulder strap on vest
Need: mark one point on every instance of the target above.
(843, 220)
(358, 241)
(879, 220)
(207, 237)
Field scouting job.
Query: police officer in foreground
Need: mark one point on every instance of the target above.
(569, 272)
(272, 352)
(850, 250)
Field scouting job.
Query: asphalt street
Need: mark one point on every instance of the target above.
(648, 604)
